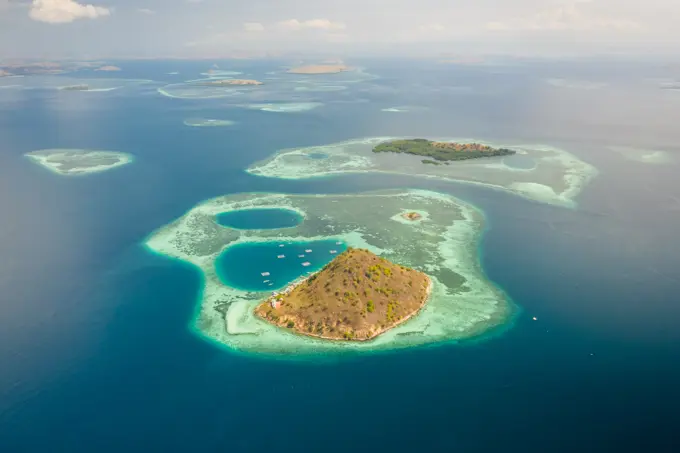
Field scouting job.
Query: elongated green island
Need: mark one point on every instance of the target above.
(357, 296)
(440, 151)
(537, 172)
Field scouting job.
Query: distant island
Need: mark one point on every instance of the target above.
(357, 296)
(75, 88)
(226, 82)
(440, 151)
(319, 69)
(108, 68)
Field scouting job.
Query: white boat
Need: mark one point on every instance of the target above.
(281, 256)
(338, 243)
(266, 281)
(333, 252)
(306, 263)
(265, 274)
(308, 251)
(301, 256)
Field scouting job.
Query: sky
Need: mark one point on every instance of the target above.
(213, 28)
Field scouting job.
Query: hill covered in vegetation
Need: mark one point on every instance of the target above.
(440, 151)
(357, 296)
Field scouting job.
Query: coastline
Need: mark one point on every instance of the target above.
(428, 293)
(225, 317)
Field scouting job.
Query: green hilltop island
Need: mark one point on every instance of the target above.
(440, 151)
(357, 296)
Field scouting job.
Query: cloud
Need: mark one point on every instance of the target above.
(432, 28)
(337, 37)
(63, 11)
(253, 26)
(567, 17)
(146, 11)
(314, 24)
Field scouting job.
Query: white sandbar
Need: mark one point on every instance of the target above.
(74, 162)
(284, 107)
(208, 122)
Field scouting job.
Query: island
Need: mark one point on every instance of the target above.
(242, 264)
(539, 172)
(81, 87)
(108, 68)
(411, 215)
(319, 69)
(30, 68)
(357, 296)
(73, 162)
(228, 82)
(441, 151)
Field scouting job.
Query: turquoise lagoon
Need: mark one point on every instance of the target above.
(241, 266)
(259, 219)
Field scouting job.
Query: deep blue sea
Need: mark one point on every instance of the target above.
(96, 350)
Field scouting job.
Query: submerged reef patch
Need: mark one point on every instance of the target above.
(645, 156)
(44, 82)
(71, 162)
(208, 122)
(284, 107)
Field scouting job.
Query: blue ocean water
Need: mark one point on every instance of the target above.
(96, 353)
(242, 266)
(259, 219)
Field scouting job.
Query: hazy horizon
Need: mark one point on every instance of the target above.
(437, 28)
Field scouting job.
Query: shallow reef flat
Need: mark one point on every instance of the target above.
(443, 244)
(543, 173)
(208, 122)
(284, 107)
(645, 156)
(219, 73)
(201, 89)
(320, 88)
(280, 87)
(351, 75)
(67, 83)
(404, 109)
(72, 162)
